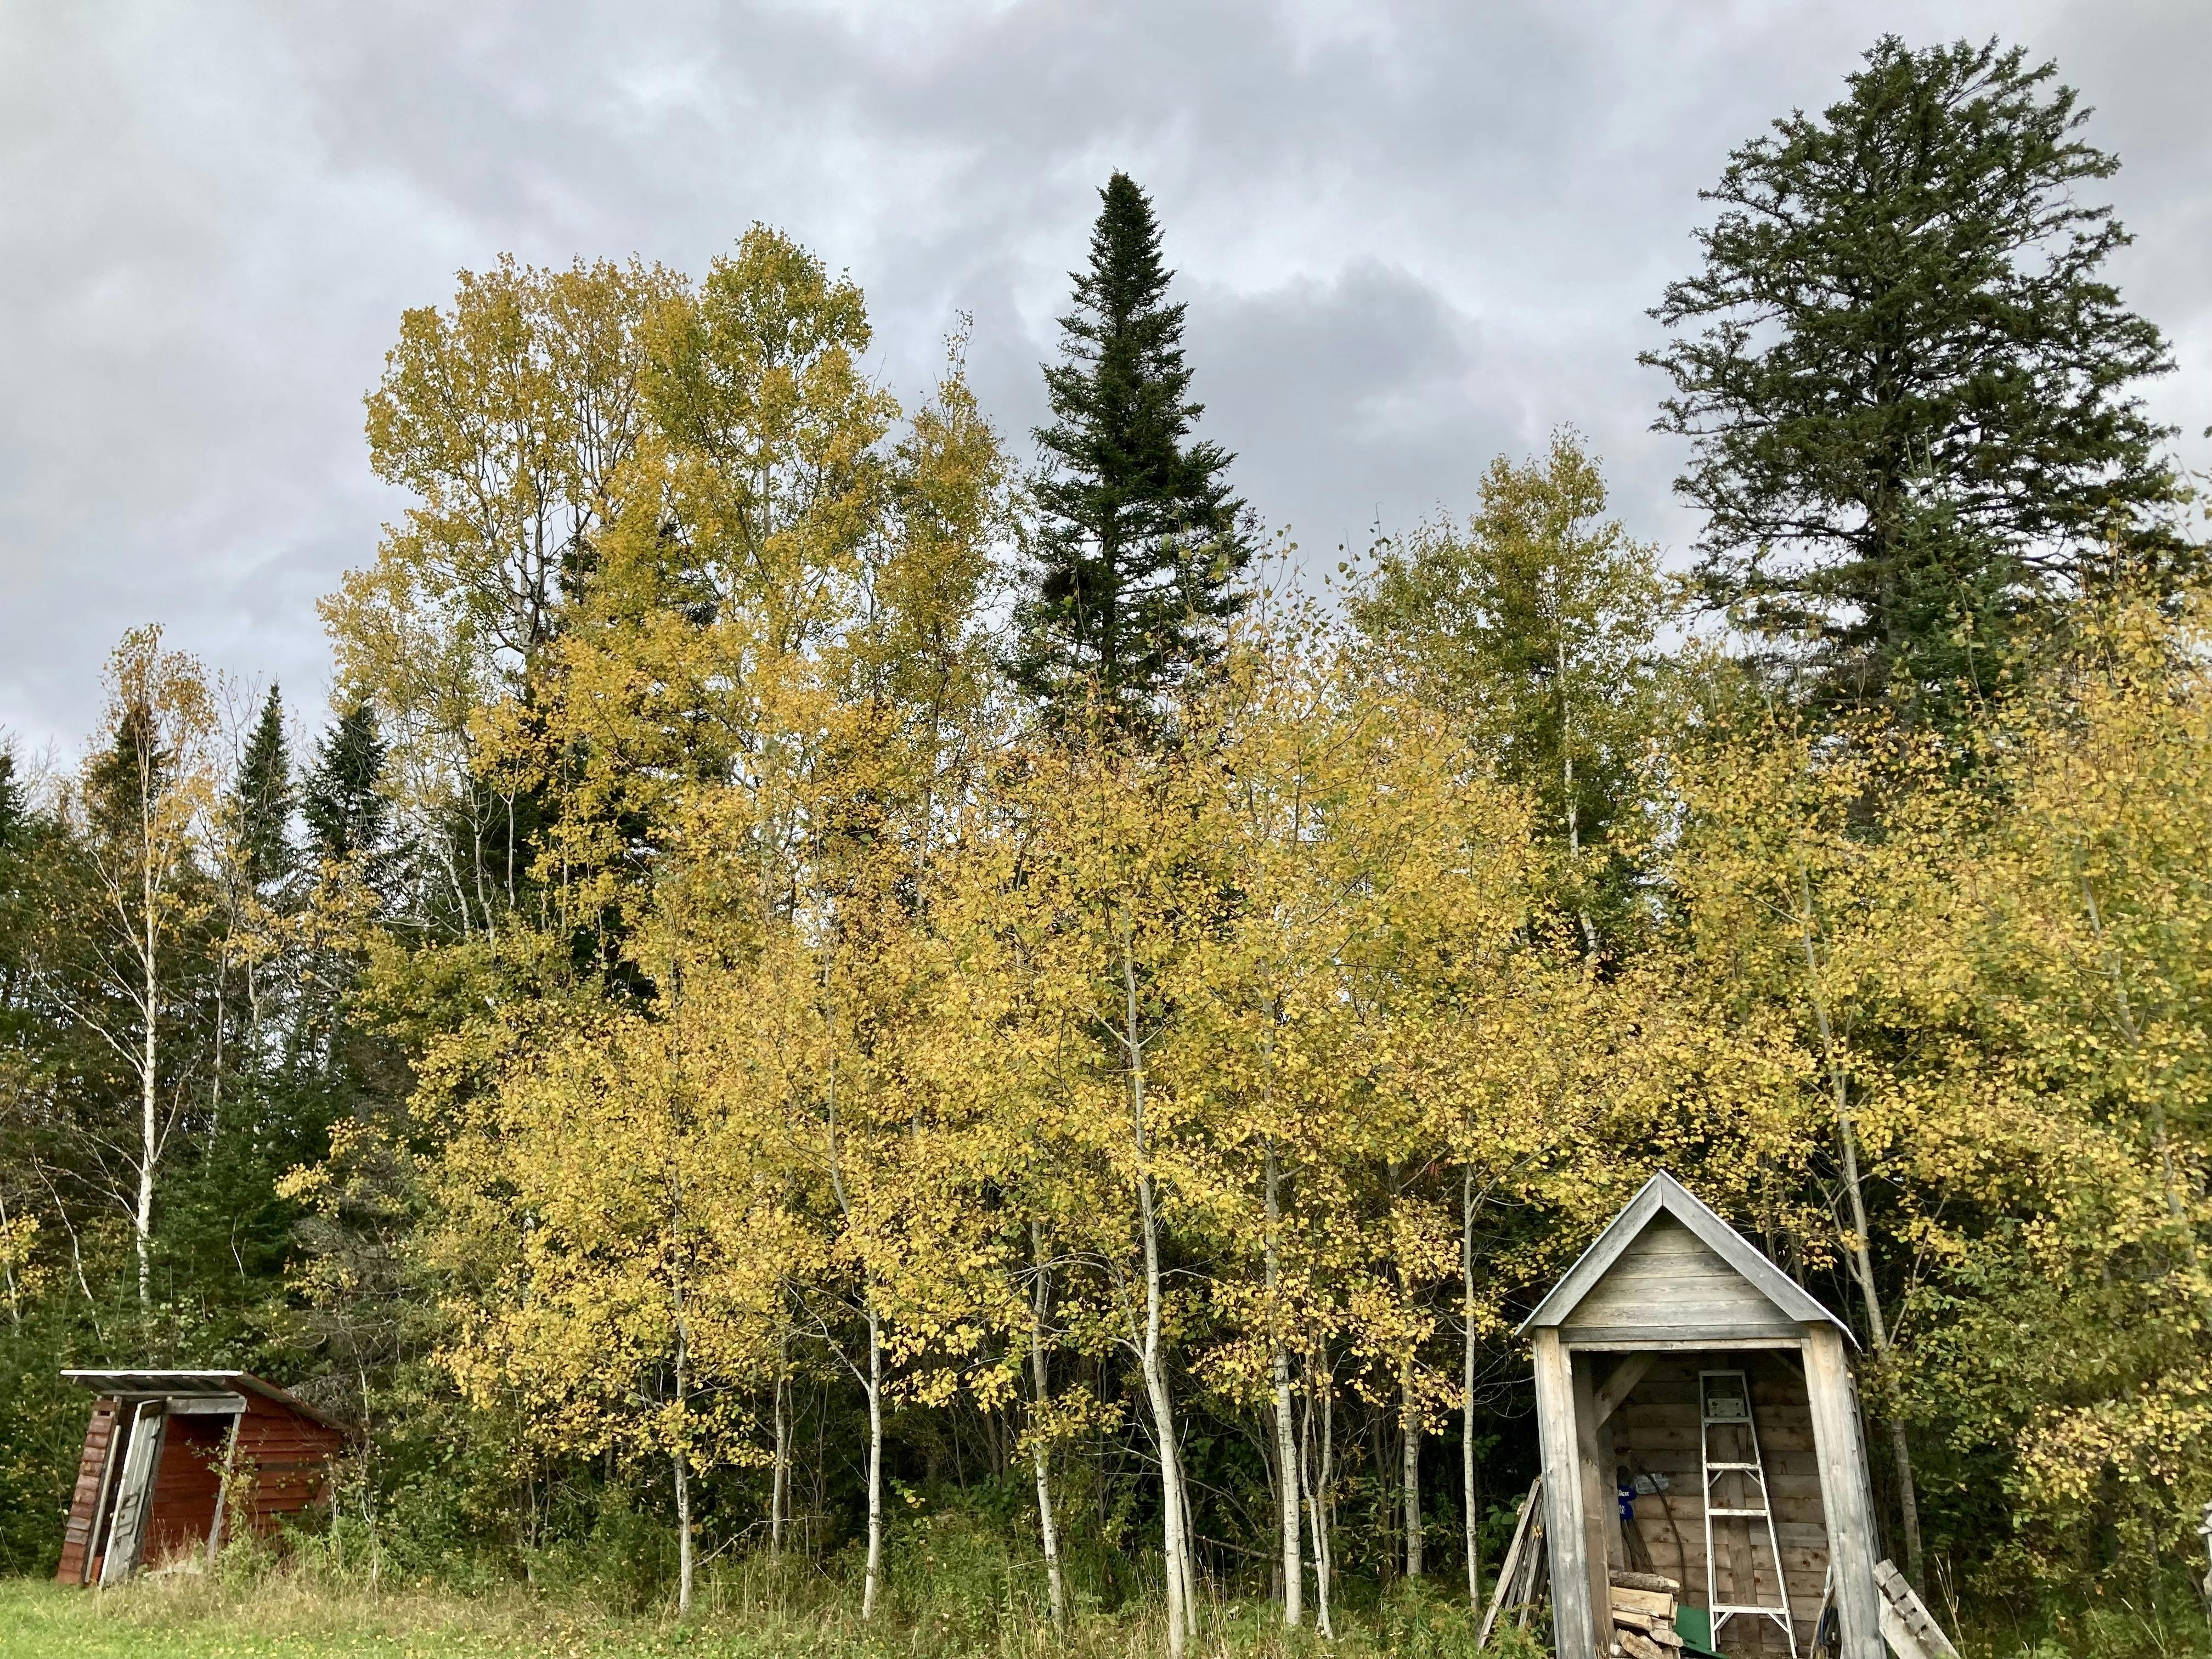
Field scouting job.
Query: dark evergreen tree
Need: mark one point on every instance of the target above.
(348, 818)
(11, 800)
(1141, 545)
(122, 778)
(1908, 391)
(262, 800)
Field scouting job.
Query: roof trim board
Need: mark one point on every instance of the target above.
(1663, 1192)
(161, 1384)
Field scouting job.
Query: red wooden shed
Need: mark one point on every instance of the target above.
(169, 1456)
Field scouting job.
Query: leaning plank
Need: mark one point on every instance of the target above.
(1509, 1570)
(1901, 1606)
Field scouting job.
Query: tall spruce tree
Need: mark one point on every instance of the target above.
(1141, 545)
(348, 818)
(1908, 389)
(262, 801)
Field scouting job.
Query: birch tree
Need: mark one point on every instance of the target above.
(144, 808)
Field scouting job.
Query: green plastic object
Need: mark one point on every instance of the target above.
(1695, 1626)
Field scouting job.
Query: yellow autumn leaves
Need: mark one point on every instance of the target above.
(828, 1012)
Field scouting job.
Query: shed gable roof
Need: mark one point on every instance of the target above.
(1664, 1195)
(157, 1384)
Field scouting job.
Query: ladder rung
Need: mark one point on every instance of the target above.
(1771, 1611)
(1753, 1514)
(1753, 1467)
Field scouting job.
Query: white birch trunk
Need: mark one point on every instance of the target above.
(1286, 1456)
(778, 1490)
(1410, 1475)
(1176, 1547)
(1861, 1255)
(870, 1585)
(1467, 1389)
(1315, 1474)
(141, 1218)
(679, 1456)
(1040, 1459)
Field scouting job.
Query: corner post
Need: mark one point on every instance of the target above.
(1574, 1634)
(1843, 1497)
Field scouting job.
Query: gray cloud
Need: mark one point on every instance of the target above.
(1411, 236)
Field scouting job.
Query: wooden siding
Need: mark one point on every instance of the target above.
(1670, 1281)
(186, 1486)
(283, 1463)
(286, 1459)
(1655, 1432)
(84, 1501)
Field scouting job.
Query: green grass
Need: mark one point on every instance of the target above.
(195, 1620)
(306, 1616)
(266, 1611)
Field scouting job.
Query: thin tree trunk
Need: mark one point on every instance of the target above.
(873, 1580)
(1466, 1387)
(778, 1490)
(1040, 1457)
(679, 1457)
(1285, 1431)
(221, 1022)
(1315, 1480)
(8, 1263)
(1861, 1256)
(1567, 774)
(1181, 1613)
(149, 1141)
(1410, 1474)
(875, 1572)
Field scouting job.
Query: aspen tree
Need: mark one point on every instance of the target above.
(146, 806)
(640, 1298)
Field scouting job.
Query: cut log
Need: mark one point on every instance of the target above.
(1646, 1622)
(1661, 1603)
(1646, 1581)
(1638, 1645)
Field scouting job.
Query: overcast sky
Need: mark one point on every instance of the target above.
(1411, 236)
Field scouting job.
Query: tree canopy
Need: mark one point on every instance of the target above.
(1912, 391)
(1139, 543)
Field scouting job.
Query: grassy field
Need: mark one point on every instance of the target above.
(203, 1618)
(192, 1621)
(303, 1616)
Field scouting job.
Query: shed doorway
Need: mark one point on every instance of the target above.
(1686, 1470)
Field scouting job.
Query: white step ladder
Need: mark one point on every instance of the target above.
(1724, 1409)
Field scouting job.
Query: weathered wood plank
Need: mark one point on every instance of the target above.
(1599, 1512)
(1843, 1494)
(1680, 1339)
(75, 1565)
(1574, 1632)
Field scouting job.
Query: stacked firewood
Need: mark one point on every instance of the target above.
(1643, 1616)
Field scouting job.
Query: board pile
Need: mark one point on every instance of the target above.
(1644, 1604)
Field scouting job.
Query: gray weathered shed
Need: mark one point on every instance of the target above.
(1626, 1348)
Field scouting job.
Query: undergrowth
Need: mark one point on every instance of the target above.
(955, 1590)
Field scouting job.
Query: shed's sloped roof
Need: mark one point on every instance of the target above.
(1664, 1195)
(159, 1383)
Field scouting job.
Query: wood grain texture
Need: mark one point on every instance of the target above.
(1574, 1633)
(84, 1500)
(1834, 1409)
(1656, 1431)
(1670, 1279)
(186, 1486)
